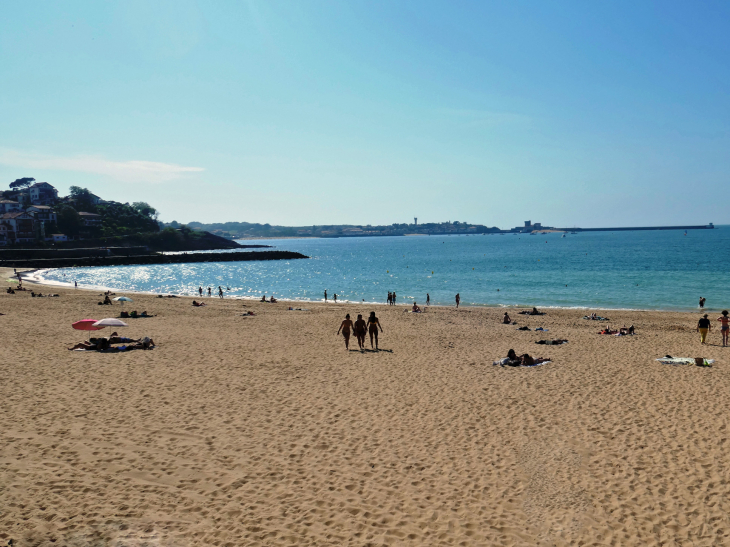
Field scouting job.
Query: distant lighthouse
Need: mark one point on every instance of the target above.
(415, 221)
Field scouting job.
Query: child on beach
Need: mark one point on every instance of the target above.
(724, 326)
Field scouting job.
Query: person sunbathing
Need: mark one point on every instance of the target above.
(625, 330)
(144, 314)
(107, 301)
(10, 290)
(557, 342)
(608, 330)
(415, 308)
(273, 300)
(529, 361)
(263, 299)
(100, 344)
(199, 304)
(506, 320)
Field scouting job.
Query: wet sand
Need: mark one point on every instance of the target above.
(263, 430)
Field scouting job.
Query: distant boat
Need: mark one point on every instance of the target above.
(574, 233)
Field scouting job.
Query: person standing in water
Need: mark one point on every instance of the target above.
(702, 302)
(703, 327)
(724, 327)
(220, 292)
(345, 328)
(76, 285)
(390, 298)
(373, 325)
(335, 298)
(360, 331)
(458, 299)
(428, 299)
(325, 296)
(394, 298)
(200, 291)
(209, 293)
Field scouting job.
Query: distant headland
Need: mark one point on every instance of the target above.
(246, 230)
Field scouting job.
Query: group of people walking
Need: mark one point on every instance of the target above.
(361, 328)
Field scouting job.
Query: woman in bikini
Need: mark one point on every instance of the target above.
(373, 325)
(345, 328)
(360, 331)
(724, 326)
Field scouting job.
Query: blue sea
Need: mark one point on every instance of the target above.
(659, 270)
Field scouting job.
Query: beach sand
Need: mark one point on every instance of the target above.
(263, 430)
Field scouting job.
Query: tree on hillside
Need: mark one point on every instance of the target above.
(83, 198)
(22, 183)
(145, 209)
(69, 221)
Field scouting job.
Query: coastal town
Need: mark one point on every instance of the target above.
(32, 214)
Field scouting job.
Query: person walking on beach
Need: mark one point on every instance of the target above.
(325, 296)
(209, 293)
(373, 325)
(345, 328)
(428, 299)
(334, 297)
(702, 302)
(724, 327)
(458, 299)
(200, 291)
(390, 298)
(703, 327)
(76, 285)
(220, 292)
(394, 298)
(360, 331)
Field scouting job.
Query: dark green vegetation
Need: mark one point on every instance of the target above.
(168, 239)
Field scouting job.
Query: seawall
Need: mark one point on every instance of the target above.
(184, 258)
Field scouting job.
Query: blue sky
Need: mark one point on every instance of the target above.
(314, 112)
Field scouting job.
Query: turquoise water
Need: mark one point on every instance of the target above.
(632, 270)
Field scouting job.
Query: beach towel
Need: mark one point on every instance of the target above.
(684, 361)
(596, 318)
(552, 342)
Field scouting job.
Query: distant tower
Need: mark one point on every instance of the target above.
(415, 221)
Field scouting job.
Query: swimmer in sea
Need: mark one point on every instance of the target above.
(345, 328)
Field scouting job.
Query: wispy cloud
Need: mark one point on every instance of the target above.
(123, 171)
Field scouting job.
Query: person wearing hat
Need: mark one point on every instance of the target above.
(703, 327)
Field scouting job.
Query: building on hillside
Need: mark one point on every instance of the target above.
(42, 193)
(90, 220)
(42, 213)
(3, 234)
(96, 200)
(9, 206)
(20, 227)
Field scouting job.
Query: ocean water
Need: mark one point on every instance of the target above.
(663, 270)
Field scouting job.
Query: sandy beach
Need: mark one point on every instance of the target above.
(263, 430)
